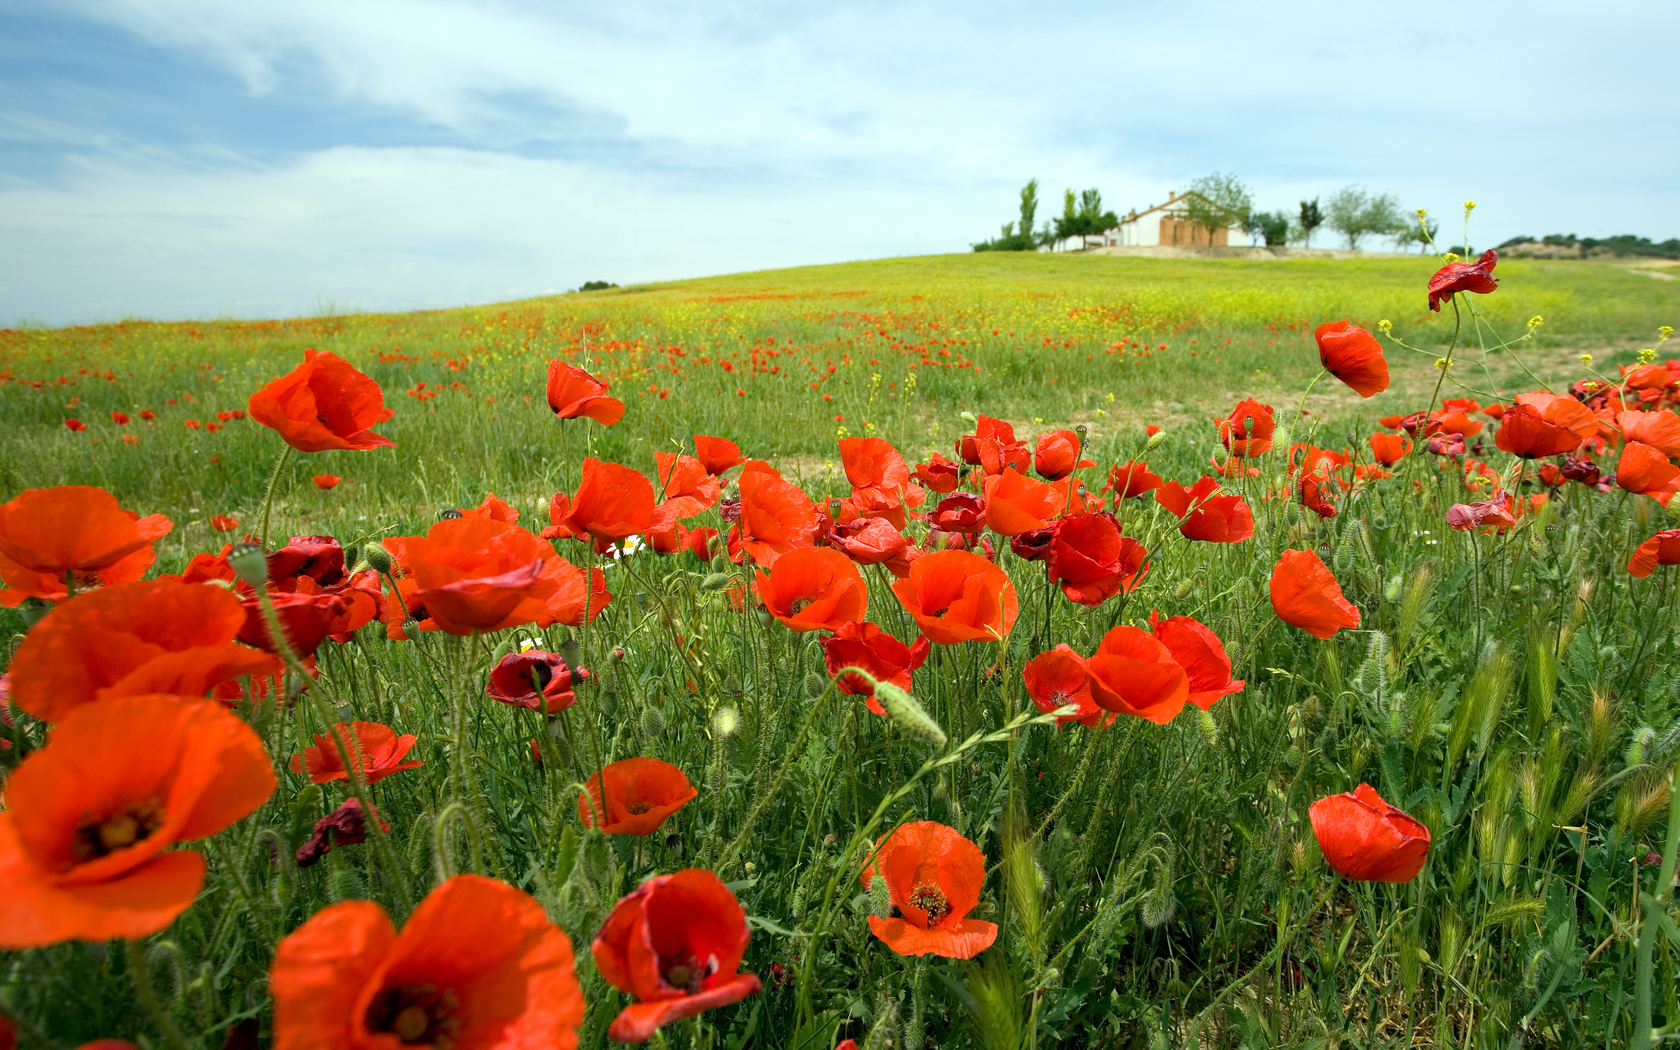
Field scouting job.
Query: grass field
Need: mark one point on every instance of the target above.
(1153, 885)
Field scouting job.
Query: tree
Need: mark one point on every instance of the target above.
(1083, 216)
(1013, 240)
(1029, 207)
(1354, 214)
(1271, 225)
(1218, 201)
(1419, 234)
(1311, 218)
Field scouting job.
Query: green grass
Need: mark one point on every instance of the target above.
(1148, 880)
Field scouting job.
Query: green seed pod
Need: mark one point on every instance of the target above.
(903, 709)
(249, 564)
(653, 721)
(765, 616)
(717, 581)
(378, 558)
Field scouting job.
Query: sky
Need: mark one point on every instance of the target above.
(197, 158)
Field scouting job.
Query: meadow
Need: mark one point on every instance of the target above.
(1148, 875)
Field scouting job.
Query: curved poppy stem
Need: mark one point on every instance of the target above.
(268, 492)
(139, 973)
(1656, 906)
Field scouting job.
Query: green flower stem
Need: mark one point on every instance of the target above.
(268, 492)
(1656, 906)
(139, 973)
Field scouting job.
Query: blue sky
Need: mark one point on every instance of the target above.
(196, 158)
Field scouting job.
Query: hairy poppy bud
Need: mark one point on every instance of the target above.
(1154, 441)
(720, 564)
(378, 558)
(903, 708)
(717, 581)
(815, 684)
(249, 564)
(653, 721)
(880, 899)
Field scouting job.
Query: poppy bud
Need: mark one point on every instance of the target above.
(653, 721)
(717, 581)
(378, 558)
(249, 564)
(880, 899)
(1182, 591)
(815, 684)
(726, 721)
(902, 708)
(1154, 441)
(609, 702)
(720, 564)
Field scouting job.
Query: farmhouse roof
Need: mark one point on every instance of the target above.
(1174, 199)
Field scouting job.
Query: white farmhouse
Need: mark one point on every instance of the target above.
(1164, 224)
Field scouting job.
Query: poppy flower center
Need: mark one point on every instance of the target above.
(687, 973)
(417, 1014)
(638, 808)
(541, 675)
(127, 826)
(799, 605)
(930, 899)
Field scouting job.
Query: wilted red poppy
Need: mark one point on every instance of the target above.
(344, 826)
(675, 943)
(716, 454)
(326, 481)
(993, 446)
(642, 793)
(612, 503)
(776, 516)
(1248, 430)
(939, 474)
(477, 965)
(1130, 480)
(1202, 655)
(1491, 513)
(1390, 449)
(1091, 560)
(572, 392)
(882, 655)
(960, 512)
(868, 541)
(1646, 471)
(1353, 355)
(323, 404)
(1660, 430)
(153, 637)
(90, 818)
(517, 676)
(1316, 489)
(1135, 674)
(1205, 516)
(1305, 595)
(1463, 277)
(1057, 455)
(377, 750)
(1058, 677)
(74, 529)
(1366, 839)
(307, 619)
(1016, 503)
(813, 589)
(1542, 424)
(1663, 548)
(958, 596)
(933, 878)
(686, 488)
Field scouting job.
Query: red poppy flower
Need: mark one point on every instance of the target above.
(939, 474)
(1130, 480)
(90, 818)
(1205, 516)
(1315, 490)
(933, 878)
(1463, 277)
(1091, 560)
(377, 750)
(320, 558)
(680, 537)
(675, 943)
(492, 507)
(642, 793)
(1542, 424)
(1648, 472)
(612, 503)
(960, 512)
(958, 596)
(120, 418)
(716, 454)
(1058, 677)
(572, 392)
(1305, 595)
(1368, 840)
(1134, 673)
(306, 617)
(813, 589)
(868, 541)
(1057, 455)
(882, 655)
(1016, 503)
(1202, 655)
(1390, 449)
(1247, 431)
(74, 425)
(1663, 548)
(993, 446)
(686, 487)
(1354, 356)
(1660, 430)
(326, 481)
(154, 637)
(477, 965)
(477, 574)
(776, 516)
(323, 404)
(75, 529)
(517, 676)
(1492, 513)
